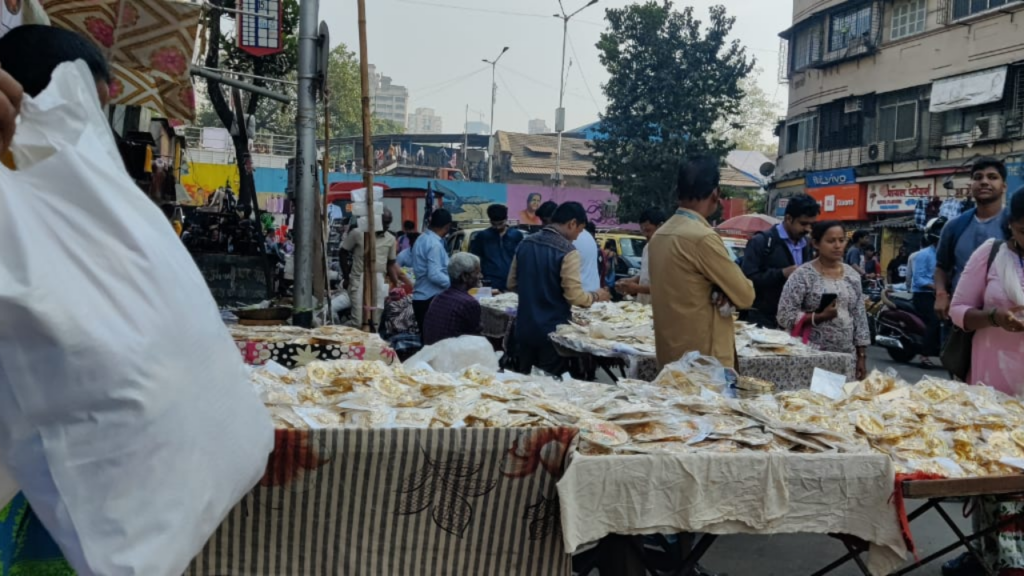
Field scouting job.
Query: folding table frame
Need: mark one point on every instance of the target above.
(935, 493)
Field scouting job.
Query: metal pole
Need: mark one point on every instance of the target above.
(490, 141)
(560, 113)
(494, 97)
(370, 243)
(465, 145)
(305, 161)
(561, 96)
(209, 74)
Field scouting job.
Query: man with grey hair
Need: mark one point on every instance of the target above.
(455, 312)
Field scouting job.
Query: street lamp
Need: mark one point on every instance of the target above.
(560, 113)
(494, 96)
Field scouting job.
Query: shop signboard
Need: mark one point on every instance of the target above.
(842, 177)
(780, 207)
(962, 182)
(844, 203)
(899, 196)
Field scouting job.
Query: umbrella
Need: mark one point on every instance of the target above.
(748, 224)
(149, 48)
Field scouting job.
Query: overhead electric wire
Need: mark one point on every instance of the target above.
(451, 84)
(582, 75)
(488, 10)
(449, 81)
(512, 95)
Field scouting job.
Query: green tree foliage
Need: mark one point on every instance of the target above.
(344, 102)
(671, 81)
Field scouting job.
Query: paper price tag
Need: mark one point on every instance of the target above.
(828, 384)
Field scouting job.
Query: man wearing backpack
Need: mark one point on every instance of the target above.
(961, 237)
(965, 233)
(771, 256)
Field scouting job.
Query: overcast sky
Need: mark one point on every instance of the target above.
(435, 47)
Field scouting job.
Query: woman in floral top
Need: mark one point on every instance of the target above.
(843, 326)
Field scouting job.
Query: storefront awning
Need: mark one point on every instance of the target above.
(149, 43)
(974, 89)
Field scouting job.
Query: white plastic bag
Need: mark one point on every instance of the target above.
(125, 413)
(455, 354)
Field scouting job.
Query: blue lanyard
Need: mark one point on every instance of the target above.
(688, 214)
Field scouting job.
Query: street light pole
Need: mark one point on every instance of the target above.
(494, 97)
(560, 113)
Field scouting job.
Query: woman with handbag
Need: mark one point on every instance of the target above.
(988, 306)
(989, 303)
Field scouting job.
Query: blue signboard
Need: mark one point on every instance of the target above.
(1014, 177)
(831, 178)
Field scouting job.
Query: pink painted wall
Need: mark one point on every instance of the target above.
(600, 204)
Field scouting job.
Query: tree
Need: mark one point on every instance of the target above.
(222, 51)
(670, 83)
(344, 100)
(752, 128)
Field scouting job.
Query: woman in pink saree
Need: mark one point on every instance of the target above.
(989, 301)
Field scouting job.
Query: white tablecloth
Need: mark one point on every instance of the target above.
(749, 493)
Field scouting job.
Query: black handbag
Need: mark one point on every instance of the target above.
(956, 354)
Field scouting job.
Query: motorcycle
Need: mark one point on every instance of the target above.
(897, 326)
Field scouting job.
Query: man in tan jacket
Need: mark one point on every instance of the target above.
(693, 275)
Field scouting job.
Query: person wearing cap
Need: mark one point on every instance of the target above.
(496, 247)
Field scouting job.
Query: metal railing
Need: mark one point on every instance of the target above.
(261, 143)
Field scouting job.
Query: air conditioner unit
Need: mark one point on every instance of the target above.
(990, 128)
(878, 152)
(853, 105)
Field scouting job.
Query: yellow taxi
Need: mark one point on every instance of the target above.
(629, 246)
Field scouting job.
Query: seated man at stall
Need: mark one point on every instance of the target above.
(455, 312)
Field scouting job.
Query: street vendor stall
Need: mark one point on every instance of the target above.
(403, 470)
(624, 331)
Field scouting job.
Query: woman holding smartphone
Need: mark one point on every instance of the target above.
(825, 297)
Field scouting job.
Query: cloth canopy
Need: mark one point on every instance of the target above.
(149, 46)
(748, 223)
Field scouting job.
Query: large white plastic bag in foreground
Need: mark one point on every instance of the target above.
(125, 413)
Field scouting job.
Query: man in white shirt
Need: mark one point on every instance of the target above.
(590, 277)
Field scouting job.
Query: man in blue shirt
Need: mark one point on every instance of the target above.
(922, 287)
(430, 264)
(496, 247)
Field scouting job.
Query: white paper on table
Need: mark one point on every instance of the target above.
(828, 384)
(1015, 462)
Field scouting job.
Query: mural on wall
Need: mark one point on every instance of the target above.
(201, 180)
(523, 201)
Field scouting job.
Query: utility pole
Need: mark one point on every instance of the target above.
(560, 113)
(494, 97)
(370, 242)
(305, 162)
(465, 145)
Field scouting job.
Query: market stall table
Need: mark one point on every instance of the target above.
(395, 502)
(937, 492)
(739, 493)
(789, 372)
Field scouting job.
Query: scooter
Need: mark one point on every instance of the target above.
(898, 328)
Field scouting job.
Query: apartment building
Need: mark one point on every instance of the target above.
(425, 121)
(387, 100)
(890, 100)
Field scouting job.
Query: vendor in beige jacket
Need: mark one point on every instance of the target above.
(693, 276)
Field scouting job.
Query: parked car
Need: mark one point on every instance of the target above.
(629, 246)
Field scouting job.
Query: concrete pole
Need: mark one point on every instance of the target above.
(305, 160)
(560, 113)
(370, 240)
(494, 98)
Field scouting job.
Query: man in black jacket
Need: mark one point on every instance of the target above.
(771, 256)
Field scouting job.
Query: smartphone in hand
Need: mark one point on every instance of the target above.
(826, 300)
